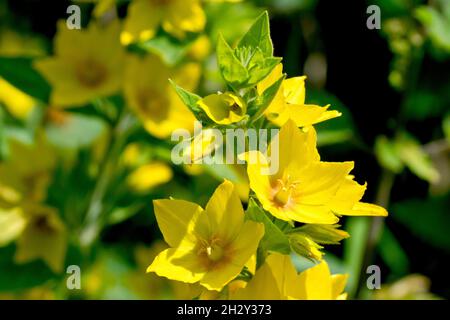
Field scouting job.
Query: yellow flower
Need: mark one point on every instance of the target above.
(149, 94)
(306, 189)
(12, 223)
(208, 246)
(87, 64)
(175, 16)
(44, 237)
(223, 108)
(18, 103)
(199, 49)
(277, 279)
(289, 102)
(149, 176)
(21, 179)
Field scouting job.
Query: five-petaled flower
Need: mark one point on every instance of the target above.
(208, 246)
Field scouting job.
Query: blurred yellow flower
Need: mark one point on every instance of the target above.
(12, 223)
(289, 102)
(223, 108)
(199, 49)
(209, 246)
(176, 17)
(13, 44)
(87, 64)
(410, 287)
(18, 103)
(22, 179)
(306, 189)
(149, 94)
(277, 279)
(44, 237)
(149, 176)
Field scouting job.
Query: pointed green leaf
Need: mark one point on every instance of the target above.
(387, 155)
(260, 104)
(259, 69)
(258, 36)
(20, 73)
(321, 233)
(274, 239)
(232, 70)
(415, 158)
(190, 100)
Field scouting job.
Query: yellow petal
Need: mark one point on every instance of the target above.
(177, 264)
(307, 115)
(12, 223)
(223, 108)
(149, 176)
(348, 194)
(263, 286)
(244, 246)
(338, 285)
(16, 102)
(294, 90)
(297, 148)
(315, 283)
(184, 16)
(141, 23)
(365, 209)
(174, 218)
(225, 212)
(320, 181)
(44, 237)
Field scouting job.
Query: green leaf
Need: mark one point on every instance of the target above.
(15, 277)
(258, 36)
(392, 253)
(121, 214)
(190, 100)
(354, 248)
(274, 239)
(170, 49)
(387, 155)
(232, 70)
(428, 220)
(305, 246)
(415, 158)
(321, 233)
(446, 127)
(259, 69)
(436, 24)
(257, 107)
(20, 73)
(77, 131)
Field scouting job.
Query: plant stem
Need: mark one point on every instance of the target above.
(375, 226)
(92, 224)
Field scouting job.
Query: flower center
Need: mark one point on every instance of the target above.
(214, 252)
(152, 104)
(91, 73)
(236, 109)
(283, 191)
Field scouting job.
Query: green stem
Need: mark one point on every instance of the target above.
(93, 219)
(375, 227)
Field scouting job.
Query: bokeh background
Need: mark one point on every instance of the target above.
(392, 86)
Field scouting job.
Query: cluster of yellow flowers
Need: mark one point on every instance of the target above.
(229, 251)
(242, 255)
(90, 64)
